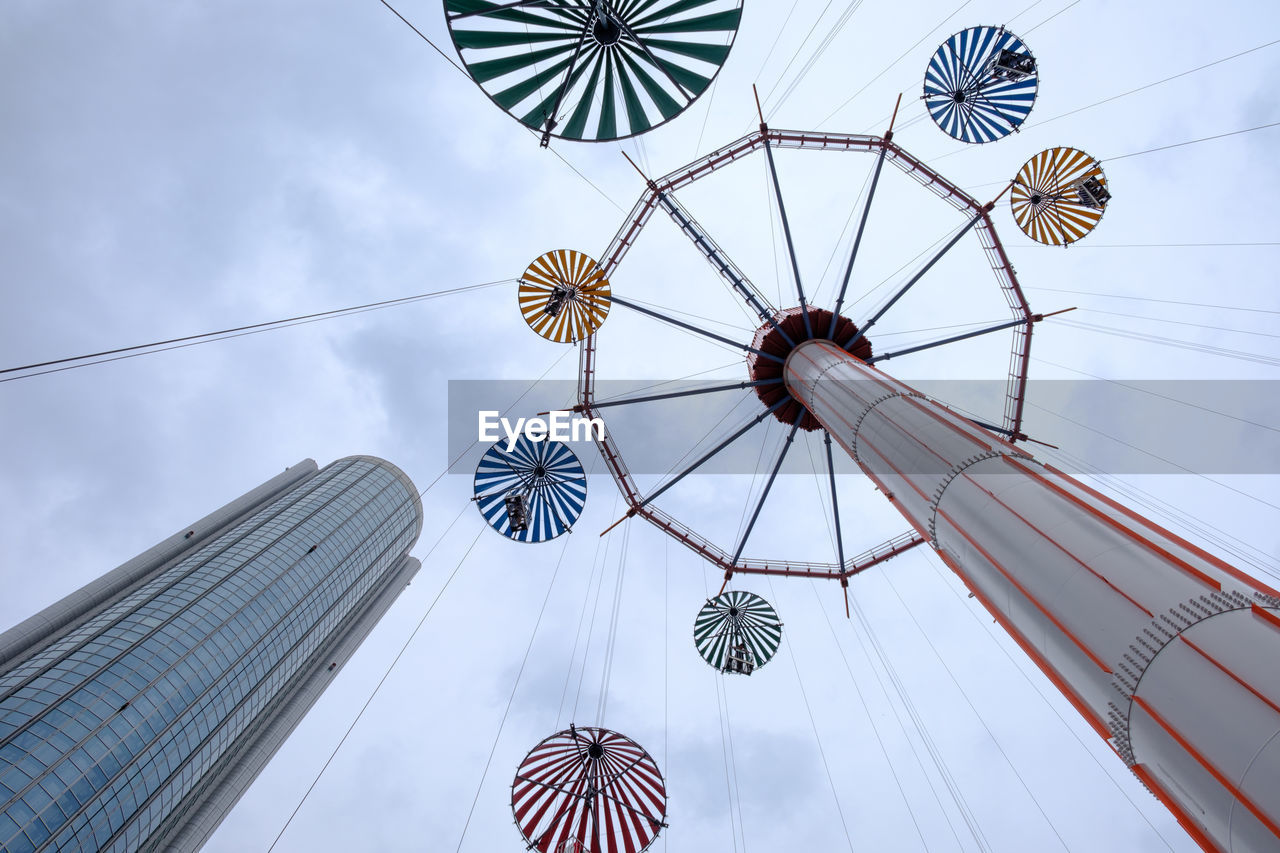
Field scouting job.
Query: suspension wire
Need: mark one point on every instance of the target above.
(817, 53)
(813, 725)
(595, 609)
(254, 328)
(844, 232)
(1150, 299)
(776, 39)
(1023, 12)
(771, 201)
(1191, 141)
(1048, 703)
(1237, 547)
(582, 614)
(922, 732)
(885, 70)
(1178, 343)
(1157, 456)
(386, 673)
(1051, 17)
(514, 687)
(1156, 83)
(1136, 245)
(706, 116)
(1139, 389)
(665, 382)
(741, 399)
(423, 36)
(611, 647)
(796, 54)
(755, 475)
(421, 494)
(866, 710)
(666, 658)
(590, 182)
(899, 270)
(974, 709)
(733, 760)
(726, 748)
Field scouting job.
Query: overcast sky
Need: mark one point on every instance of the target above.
(176, 168)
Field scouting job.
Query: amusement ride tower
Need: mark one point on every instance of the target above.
(1166, 651)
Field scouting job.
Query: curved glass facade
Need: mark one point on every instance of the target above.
(113, 730)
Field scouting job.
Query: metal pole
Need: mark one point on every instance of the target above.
(1168, 652)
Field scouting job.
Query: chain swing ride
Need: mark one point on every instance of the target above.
(1149, 637)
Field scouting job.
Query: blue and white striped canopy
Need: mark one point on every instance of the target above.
(965, 91)
(546, 473)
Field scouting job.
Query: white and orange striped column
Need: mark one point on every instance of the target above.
(1171, 654)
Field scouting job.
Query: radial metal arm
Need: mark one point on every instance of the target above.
(712, 335)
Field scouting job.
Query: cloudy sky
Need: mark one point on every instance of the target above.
(177, 168)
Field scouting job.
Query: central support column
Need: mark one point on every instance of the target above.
(1171, 654)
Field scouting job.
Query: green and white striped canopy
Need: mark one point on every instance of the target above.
(737, 617)
(593, 70)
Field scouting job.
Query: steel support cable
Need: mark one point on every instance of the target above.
(813, 725)
(886, 69)
(726, 748)
(755, 473)
(796, 53)
(135, 350)
(1047, 701)
(827, 41)
(1197, 526)
(423, 36)
(1209, 349)
(1191, 142)
(866, 710)
(702, 317)
(582, 616)
(742, 399)
(606, 675)
(844, 232)
(1148, 151)
(922, 732)
(666, 657)
(733, 761)
(514, 687)
(1157, 456)
(976, 712)
(891, 276)
(1150, 299)
(684, 378)
(786, 23)
(1051, 17)
(1151, 85)
(1151, 393)
(591, 627)
(422, 621)
(773, 231)
(387, 673)
(1145, 245)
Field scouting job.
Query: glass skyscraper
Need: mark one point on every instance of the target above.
(135, 711)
